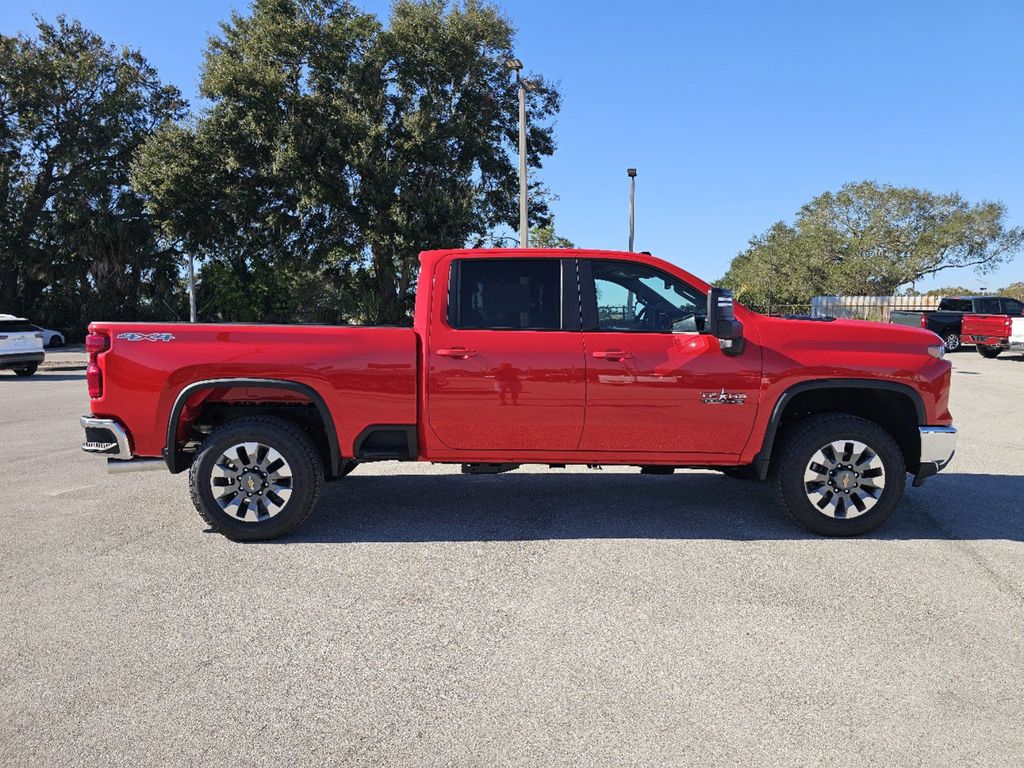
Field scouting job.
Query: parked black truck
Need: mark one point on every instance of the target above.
(947, 320)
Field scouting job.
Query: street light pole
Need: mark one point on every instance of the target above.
(524, 220)
(191, 288)
(631, 172)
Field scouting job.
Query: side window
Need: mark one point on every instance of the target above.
(635, 297)
(955, 305)
(507, 294)
(1013, 307)
(988, 306)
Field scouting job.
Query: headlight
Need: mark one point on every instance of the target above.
(937, 350)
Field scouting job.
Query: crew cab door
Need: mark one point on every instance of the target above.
(655, 382)
(505, 359)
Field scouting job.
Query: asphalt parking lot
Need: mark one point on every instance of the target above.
(541, 618)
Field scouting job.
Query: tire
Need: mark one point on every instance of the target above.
(812, 502)
(27, 370)
(270, 512)
(56, 341)
(989, 352)
(951, 341)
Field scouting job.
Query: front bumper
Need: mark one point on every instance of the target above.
(16, 359)
(938, 444)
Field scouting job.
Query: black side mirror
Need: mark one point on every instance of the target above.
(722, 323)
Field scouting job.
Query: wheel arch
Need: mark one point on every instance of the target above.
(176, 459)
(887, 409)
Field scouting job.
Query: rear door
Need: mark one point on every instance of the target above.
(655, 382)
(505, 359)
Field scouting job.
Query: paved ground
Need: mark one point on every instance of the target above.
(539, 618)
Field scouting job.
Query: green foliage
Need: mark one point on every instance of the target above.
(337, 148)
(870, 239)
(1013, 290)
(546, 237)
(75, 240)
(951, 291)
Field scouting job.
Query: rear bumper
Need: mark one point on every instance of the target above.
(1016, 346)
(106, 437)
(17, 359)
(938, 445)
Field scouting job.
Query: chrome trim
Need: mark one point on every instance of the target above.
(938, 444)
(124, 450)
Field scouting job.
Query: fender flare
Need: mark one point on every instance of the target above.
(762, 458)
(176, 461)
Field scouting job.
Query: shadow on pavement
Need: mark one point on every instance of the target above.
(44, 375)
(523, 506)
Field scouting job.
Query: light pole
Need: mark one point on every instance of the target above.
(191, 288)
(631, 172)
(524, 226)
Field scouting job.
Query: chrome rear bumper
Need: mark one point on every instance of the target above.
(938, 444)
(106, 437)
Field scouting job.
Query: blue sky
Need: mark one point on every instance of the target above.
(734, 113)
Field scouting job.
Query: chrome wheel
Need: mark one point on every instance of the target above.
(251, 482)
(952, 342)
(844, 479)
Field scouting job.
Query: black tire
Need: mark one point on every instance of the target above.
(56, 341)
(306, 482)
(27, 370)
(951, 341)
(802, 442)
(989, 352)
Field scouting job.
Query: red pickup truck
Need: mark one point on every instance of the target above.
(528, 356)
(990, 333)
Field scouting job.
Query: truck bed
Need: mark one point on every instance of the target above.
(364, 375)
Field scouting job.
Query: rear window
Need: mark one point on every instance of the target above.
(508, 294)
(16, 326)
(955, 305)
(988, 306)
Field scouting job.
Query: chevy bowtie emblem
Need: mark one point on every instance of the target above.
(723, 398)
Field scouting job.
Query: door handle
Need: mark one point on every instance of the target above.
(459, 353)
(612, 354)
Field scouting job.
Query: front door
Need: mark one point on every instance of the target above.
(505, 359)
(655, 382)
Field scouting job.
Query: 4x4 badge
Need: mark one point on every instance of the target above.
(132, 336)
(723, 398)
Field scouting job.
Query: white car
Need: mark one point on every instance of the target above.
(21, 345)
(1017, 334)
(51, 338)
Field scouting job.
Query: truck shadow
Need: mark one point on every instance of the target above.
(524, 506)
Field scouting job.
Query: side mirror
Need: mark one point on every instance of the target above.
(722, 323)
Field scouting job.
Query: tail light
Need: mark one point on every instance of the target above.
(94, 344)
(924, 321)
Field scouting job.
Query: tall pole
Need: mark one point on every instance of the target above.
(524, 223)
(631, 172)
(191, 289)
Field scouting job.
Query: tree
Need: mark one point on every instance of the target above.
(75, 241)
(871, 239)
(336, 148)
(1013, 290)
(546, 237)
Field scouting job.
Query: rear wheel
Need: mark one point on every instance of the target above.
(256, 478)
(951, 341)
(26, 370)
(838, 475)
(989, 352)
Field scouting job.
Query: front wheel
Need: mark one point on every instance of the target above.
(256, 478)
(989, 352)
(838, 475)
(26, 370)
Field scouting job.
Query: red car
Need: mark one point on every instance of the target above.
(528, 356)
